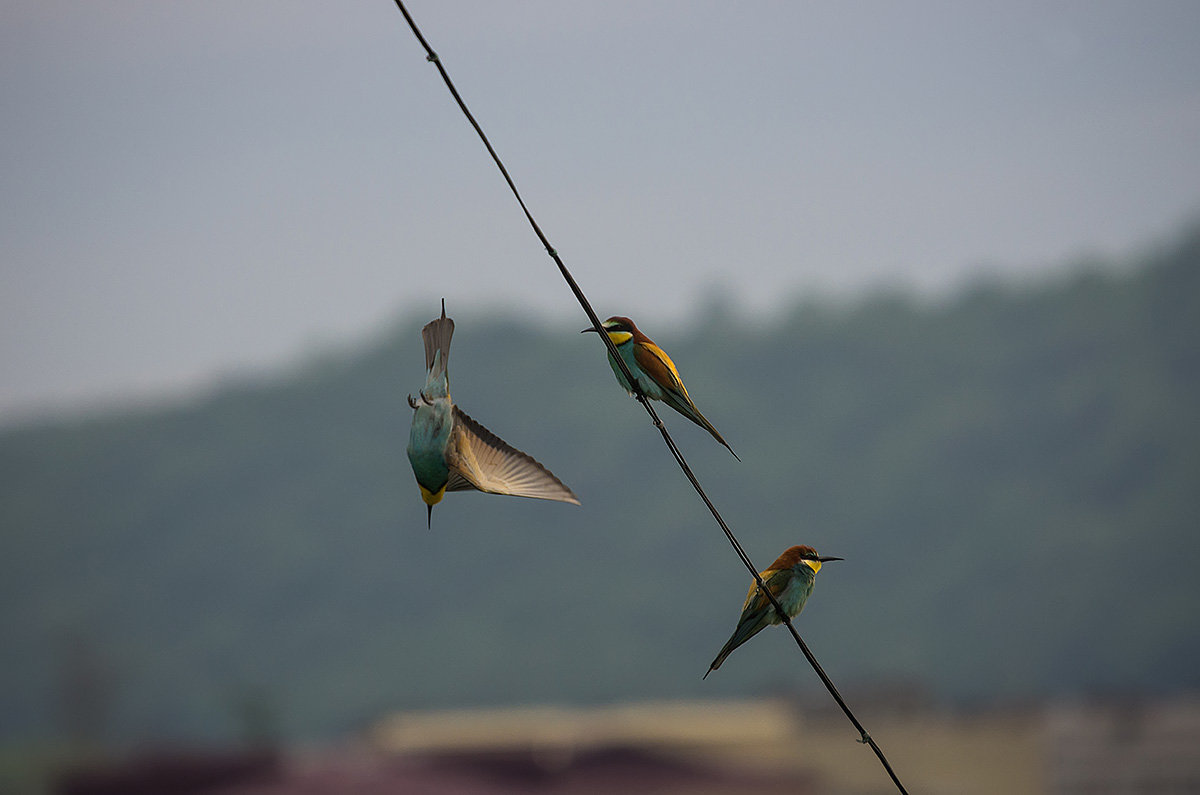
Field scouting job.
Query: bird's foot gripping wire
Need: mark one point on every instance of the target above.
(865, 739)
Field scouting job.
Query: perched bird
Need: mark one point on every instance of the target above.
(653, 370)
(790, 579)
(449, 451)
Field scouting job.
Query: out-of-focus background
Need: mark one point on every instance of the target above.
(932, 269)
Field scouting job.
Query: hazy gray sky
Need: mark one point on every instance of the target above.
(195, 187)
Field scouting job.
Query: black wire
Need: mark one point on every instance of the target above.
(616, 357)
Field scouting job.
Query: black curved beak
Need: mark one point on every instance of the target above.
(828, 558)
(589, 328)
(429, 508)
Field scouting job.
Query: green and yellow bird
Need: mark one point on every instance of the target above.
(449, 451)
(655, 373)
(790, 579)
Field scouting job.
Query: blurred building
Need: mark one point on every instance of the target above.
(1124, 747)
(1112, 747)
(647, 748)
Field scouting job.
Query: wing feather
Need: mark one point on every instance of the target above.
(757, 614)
(479, 459)
(655, 363)
(776, 581)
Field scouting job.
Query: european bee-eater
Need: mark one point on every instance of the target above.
(790, 579)
(449, 451)
(653, 370)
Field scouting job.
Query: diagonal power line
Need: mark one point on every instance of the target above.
(865, 738)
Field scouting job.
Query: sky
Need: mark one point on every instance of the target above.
(203, 188)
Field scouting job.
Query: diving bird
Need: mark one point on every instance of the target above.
(449, 451)
(790, 579)
(653, 370)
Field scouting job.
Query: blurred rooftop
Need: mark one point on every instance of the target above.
(1102, 745)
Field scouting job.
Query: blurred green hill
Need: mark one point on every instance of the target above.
(1013, 477)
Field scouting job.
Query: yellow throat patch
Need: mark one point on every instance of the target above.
(619, 337)
(432, 497)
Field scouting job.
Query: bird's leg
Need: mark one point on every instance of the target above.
(424, 399)
(412, 404)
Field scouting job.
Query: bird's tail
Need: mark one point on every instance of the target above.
(752, 622)
(721, 439)
(725, 651)
(744, 632)
(436, 335)
(689, 410)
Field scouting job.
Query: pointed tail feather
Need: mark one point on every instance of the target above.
(756, 616)
(718, 437)
(690, 411)
(436, 335)
(726, 650)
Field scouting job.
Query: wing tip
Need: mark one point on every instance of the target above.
(549, 486)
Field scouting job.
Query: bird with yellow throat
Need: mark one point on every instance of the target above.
(655, 373)
(790, 580)
(449, 451)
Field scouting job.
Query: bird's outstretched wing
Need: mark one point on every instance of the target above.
(479, 459)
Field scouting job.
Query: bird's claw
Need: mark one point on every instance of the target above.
(865, 739)
(412, 402)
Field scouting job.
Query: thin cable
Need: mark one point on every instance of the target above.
(865, 738)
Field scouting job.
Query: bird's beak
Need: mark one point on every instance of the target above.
(828, 558)
(429, 508)
(590, 328)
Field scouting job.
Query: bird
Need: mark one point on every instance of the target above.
(790, 579)
(449, 451)
(655, 373)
